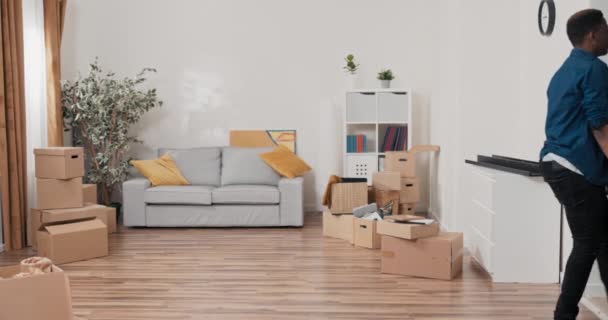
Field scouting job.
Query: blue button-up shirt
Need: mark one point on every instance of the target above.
(578, 103)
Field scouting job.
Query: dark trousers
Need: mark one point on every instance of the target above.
(587, 214)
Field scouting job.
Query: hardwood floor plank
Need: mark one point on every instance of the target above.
(277, 273)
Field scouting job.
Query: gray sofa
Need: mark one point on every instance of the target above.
(230, 187)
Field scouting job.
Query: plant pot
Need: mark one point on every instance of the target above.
(385, 84)
(351, 81)
(116, 205)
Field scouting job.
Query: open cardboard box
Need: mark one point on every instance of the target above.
(73, 241)
(338, 226)
(438, 257)
(43, 296)
(405, 230)
(345, 196)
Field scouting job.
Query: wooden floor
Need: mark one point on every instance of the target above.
(277, 273)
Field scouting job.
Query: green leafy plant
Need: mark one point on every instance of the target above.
(386, 74)
(100, 108)
(351, 66)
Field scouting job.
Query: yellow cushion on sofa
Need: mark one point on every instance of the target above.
(285, 162)
(161, 172)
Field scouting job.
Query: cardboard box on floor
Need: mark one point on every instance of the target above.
(338, 226)
(407, 231)
(365, 234)
(59, 162)
(438, 257)
(58, 194)
(89, 193)
(43, 296)
(347, 196)
(90, 211)
(73, 241)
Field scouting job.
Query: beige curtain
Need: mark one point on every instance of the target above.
(54, 13)
(12, 125)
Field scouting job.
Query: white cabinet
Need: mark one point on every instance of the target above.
(514, 226)
(371, 114)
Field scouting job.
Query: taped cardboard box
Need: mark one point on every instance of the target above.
(58, 194)
(345, 196)
(407, 231)
(438, 257)
(74, 241)
(89, 193)
(365, 234)
(59, 162)
(42, 296)
(410, 190)
(338, 226)
(386, 180)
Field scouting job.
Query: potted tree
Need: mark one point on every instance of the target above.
(99, 109)
(385, 76)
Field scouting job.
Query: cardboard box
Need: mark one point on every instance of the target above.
(88, 212)
(438, 257)
(386, 180)
(110, 218)
(58, 194)
(43, 296)
(59, 163)
(89, 193)
(365, 234)
(346, 196)
(402, 162)
(338, 226)
(383, 197)
(75, 241)
(407, 208)
(407, 231)
(410, 190)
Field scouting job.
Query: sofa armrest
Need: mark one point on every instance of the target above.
(292, 202)
(134, 206)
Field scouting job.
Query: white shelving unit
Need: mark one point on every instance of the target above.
(371, 112)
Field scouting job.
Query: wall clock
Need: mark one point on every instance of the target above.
(546, 17)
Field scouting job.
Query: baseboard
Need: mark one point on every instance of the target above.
(593, 308)
(311, 207)
(595, 290)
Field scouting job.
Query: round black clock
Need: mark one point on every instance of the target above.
(546, 17)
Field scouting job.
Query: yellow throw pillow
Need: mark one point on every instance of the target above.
(161, 172)
(285, 162)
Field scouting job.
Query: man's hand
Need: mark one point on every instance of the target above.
(601, 136)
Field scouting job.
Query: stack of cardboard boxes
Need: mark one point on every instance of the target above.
(67, 224)
(410, 245)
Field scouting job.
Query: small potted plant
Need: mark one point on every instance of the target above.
(351, 68)
(385, 76)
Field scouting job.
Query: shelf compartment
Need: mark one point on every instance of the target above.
(393, 106)
(368, 130)
(361, 107)
(382, 135)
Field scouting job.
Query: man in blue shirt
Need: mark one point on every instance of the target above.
(575, 154)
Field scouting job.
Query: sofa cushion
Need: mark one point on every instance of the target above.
(200, 195)
(244, 166)
(246, 194)
(200, 166)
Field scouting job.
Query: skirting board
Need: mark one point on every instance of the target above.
(593, 308)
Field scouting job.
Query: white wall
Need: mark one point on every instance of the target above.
(226, 64)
